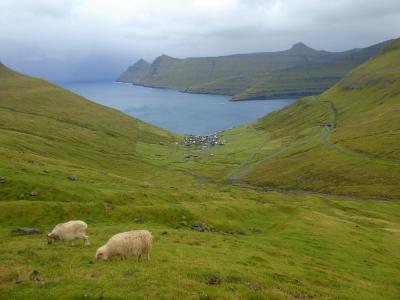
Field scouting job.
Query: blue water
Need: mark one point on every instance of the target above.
(176, 111)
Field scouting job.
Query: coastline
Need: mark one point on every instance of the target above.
(291, 96)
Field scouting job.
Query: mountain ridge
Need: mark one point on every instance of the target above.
(213, 75)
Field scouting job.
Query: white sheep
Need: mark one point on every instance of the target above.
(135, 242)
(68, 232)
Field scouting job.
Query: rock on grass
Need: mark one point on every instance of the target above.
(200, 227)
(26, 231)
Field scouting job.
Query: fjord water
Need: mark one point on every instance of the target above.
(176, 111)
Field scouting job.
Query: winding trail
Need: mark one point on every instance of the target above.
(273, 155)
(332, 127)
(249, 159)
(325, 132)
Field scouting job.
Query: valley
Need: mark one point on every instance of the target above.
(303, 203)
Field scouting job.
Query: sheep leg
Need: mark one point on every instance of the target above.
(148, 256)
(139, 256)
(86, 240)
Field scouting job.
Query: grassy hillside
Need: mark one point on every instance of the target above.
(310, 79)
(280, 84)
(280, 244)
(295, 72)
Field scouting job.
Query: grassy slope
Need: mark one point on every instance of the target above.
(296, 82)
(279, 245)
(288, 83)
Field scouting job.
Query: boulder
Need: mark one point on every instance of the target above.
(26, 231)
(2, 179)
(34, 193)
(72, 177)
(200, 227)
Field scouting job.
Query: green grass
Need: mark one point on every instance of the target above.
(304, 247)
(291, 243)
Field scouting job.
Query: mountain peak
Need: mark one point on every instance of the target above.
(300, 46)
(162, 58)
(165, 56)
(142, 62)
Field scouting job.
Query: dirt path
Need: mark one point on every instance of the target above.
(249, 159)
(331, 127)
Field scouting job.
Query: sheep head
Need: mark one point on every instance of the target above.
(51, 237)
(102, 253)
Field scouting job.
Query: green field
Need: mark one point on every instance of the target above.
(304, 203)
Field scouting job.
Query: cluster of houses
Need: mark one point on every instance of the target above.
(210, 140)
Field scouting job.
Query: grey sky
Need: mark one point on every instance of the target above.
(93, 39)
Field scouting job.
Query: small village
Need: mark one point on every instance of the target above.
(205, 141)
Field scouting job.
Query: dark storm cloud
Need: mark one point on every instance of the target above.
(92, 39)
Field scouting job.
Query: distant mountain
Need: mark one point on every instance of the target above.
(309, 79)
(135, 72)
(301, 71)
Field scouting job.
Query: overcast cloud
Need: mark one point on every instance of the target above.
(97, 39)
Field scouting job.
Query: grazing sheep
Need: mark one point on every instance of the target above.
(135, 242)
(68, 232)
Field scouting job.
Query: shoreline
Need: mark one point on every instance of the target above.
(294, 96)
